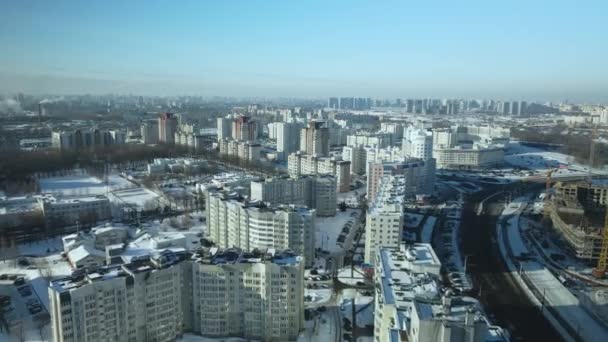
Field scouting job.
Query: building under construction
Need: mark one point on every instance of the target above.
(577, 211)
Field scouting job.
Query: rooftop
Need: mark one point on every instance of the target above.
(216, 256)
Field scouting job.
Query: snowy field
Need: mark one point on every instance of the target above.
(317, 296)
(78, 185)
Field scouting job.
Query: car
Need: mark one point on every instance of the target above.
(325, 286)
(360, 283)
(321, 309)
(19, 281)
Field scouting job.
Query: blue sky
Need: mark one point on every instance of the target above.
(548, 50)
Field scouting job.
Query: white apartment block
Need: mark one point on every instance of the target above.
(86, 138)
(394, 128)
(245, 150)
(141, 301)
(412, 305)
(470, 147)
(288, 138)
(234, 222)
(382, 155)
(224, 128)
(315, 192)
(356, 155)
(254, 296)
(417, 143)
(304, 164)
(384, 219)
(419, 176)
(472, 158)
(380, 140)
(214, 293)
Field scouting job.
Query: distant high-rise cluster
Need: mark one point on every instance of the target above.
(354, 103)
(433, 106)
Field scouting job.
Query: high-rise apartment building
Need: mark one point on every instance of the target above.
(234, 222)
(217, 293)
(384, 219)
(288, 138)
(356, 155)
(305, 164)
(140, 301)
(315, 192)
(412, 305)
(333, 103)
(314, 139)
(417, 143)
(167, 126)
(224, 128)
(86, 138)
(257, 296)
(244, 128)
(418, 176)
(149, 132)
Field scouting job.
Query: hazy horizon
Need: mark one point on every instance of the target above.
(546, 51)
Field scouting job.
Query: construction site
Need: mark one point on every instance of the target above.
(577, 211)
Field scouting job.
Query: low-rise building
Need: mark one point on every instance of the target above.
(72, 210)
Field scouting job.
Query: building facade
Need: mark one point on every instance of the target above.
(315, 192)
(304, 164)
(167, 126)
(235, 222)
(314, 139)
(213, 292)
(418, 175)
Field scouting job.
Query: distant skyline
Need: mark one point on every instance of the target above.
(532, 50)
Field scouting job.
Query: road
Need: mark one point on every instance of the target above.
(499, 292)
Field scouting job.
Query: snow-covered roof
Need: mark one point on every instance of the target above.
(82, 252)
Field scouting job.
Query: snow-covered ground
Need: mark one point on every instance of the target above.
(47, 266)
(364, 307)
(350, 277)
(82, 184)
(317, 296)
(328, 229)
(538, 159)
